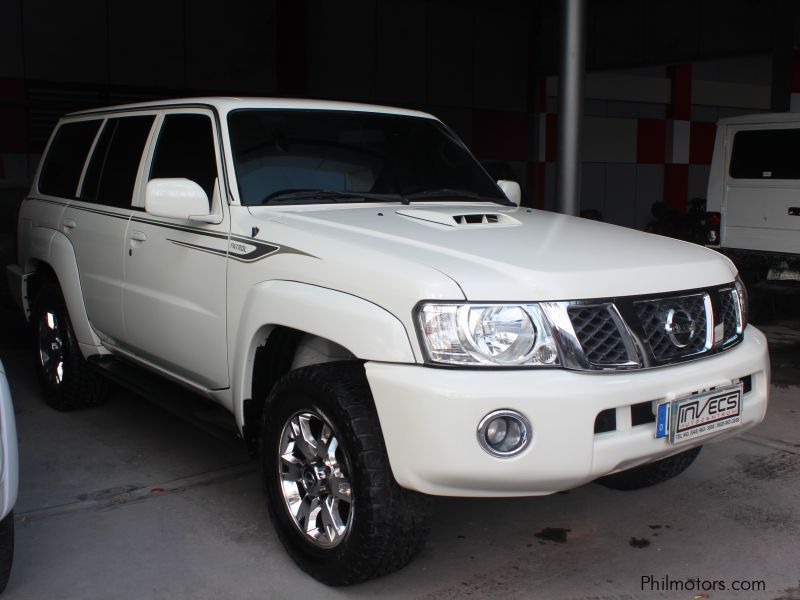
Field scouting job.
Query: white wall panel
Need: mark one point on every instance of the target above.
(620, 203)
(608, 139)
(721, 93)
(593, 186)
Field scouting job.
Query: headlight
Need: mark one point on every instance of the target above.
(486, 335)
(744, 304)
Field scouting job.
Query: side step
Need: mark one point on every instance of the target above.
(179, 401)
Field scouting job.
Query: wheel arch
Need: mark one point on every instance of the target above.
(52, 256)
(285, 325)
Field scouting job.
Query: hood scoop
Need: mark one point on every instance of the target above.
(460, 218)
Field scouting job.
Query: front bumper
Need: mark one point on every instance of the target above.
(429, 418)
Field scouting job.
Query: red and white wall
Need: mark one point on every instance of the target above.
(649, 133)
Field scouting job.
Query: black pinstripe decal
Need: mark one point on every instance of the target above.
(262, 249)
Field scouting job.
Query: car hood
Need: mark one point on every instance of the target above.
(499, 253)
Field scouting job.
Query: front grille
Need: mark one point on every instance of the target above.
(598, 334)
(653, 316)
(642, 332)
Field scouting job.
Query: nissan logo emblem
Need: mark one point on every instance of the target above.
(680, 327)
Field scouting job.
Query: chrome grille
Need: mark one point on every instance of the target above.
(652, 316)
(598, 334)
(642, 332)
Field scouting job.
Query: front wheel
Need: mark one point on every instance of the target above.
(652, 473)
(332, 497)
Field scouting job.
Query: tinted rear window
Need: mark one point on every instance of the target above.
(766, 154)
(63, 165)
(111, 175)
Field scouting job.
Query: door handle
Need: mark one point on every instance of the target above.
(138, 236)
(69, 224)
(794, 211)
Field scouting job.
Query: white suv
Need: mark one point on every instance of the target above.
(380, 319)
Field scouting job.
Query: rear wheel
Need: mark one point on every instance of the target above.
(332, 497)
(67, 379)
(650, 474)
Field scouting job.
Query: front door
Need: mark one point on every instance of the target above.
(174, 298)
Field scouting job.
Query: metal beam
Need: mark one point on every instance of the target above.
(570, 104)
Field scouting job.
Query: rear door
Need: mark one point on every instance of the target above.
(175, 283)
(96, 220)
(762, 194)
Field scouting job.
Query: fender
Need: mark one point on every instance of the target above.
(54, 248)
(327, 313)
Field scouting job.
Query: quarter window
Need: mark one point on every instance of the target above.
(62, 168)
(766, 154)
(185, 149)
(112, 170)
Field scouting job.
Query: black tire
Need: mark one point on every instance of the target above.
(652, 473)
(78, 385)
(387, 525)
(6, 549)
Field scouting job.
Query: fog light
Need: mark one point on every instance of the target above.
(504, 433)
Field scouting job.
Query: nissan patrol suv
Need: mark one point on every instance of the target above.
(379, 320)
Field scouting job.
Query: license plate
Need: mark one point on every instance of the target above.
(777, 274)
(700, 414)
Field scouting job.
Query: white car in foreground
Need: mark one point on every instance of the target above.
(378, 319)
(9, 477)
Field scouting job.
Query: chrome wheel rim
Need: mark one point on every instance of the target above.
(314, 477)
(51, 348)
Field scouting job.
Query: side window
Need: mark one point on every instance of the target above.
(766, 154)
(112, 170)
(62, 167)
(185, 149)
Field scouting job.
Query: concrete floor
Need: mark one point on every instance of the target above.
(127, 501)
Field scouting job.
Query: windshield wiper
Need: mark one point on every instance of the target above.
(456, 195)
(333, 195)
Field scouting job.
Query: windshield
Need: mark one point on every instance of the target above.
(302, 156)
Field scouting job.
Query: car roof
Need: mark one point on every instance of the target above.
(786, 117)
(227, 104)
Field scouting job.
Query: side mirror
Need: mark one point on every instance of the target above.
(176, 199)
(511, 189)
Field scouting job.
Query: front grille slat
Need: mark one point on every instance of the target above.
(728, 315)
(599, 335)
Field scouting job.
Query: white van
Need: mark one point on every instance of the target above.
(754, 196)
